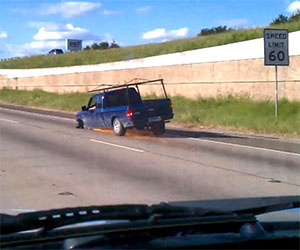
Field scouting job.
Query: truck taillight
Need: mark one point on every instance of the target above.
(171, 105)
(129, 113)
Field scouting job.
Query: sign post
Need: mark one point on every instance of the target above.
(276, 93)
(276, 54)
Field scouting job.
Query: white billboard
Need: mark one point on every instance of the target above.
(73, 44)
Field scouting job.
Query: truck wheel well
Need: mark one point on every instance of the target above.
(112, 120)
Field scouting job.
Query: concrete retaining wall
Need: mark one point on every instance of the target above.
(236, 69)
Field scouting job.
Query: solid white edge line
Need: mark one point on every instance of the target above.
(116, 145)
(32, 113)
(7, 120)
(244, 146)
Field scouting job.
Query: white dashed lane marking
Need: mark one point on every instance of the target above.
(7, 120)
(118, 146)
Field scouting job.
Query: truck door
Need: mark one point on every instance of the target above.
(88, 118)
(98, 121)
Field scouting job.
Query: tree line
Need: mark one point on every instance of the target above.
(285, 19)
(214, 30)
(102, 46)
(278, 20)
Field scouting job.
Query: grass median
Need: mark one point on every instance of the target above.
(237, 113)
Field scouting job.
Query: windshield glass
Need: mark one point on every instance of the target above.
(210, 109)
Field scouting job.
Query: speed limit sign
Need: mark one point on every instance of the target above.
(276, 54)
(276, 47)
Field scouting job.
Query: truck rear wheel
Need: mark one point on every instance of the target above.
(158, 128)
(118, 127)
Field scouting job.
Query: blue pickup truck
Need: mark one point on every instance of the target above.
(121, 108)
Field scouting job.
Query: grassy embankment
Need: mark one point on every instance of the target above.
(235, 113)
(140, 51)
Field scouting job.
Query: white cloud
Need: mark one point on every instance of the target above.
(50, 36)
(153, 34)
(44, 34)
(47, 25)
(3, 34)
(112, 12)
(178, 33)
(40, 47)
(294, 7)
(108, 38)
(143, 9)
(165, 35)
(60, 32)
(33, 48)
(70, 9)
(236, 23)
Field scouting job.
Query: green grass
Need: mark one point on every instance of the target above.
(39, 98)
(228, 112)
(239, 113)
(140, 51)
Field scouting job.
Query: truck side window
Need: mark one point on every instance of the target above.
(92, 104)
(99, 102)
(119, 97)
(116, 98)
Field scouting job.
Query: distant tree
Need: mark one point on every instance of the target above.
(214, 30)
(295, 17)
(220, 29)
(205, 32)
(87, 48)
(114, 45)
(95, 46)
(104, 45)
(280, 19)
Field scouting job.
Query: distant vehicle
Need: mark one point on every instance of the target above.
(55, 51)
(121, 107)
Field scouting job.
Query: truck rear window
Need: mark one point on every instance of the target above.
(119, 97)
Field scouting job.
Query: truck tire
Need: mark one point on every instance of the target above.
(80, 124)
(158, 128)
(118, 127)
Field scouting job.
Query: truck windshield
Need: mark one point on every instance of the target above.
(119, 97)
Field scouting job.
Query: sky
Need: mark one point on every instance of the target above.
(31, 27)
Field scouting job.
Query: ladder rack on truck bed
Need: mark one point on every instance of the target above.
(135, 84)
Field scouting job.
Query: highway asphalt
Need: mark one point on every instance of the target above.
(47, 163)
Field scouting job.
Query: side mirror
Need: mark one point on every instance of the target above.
(83, 108)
